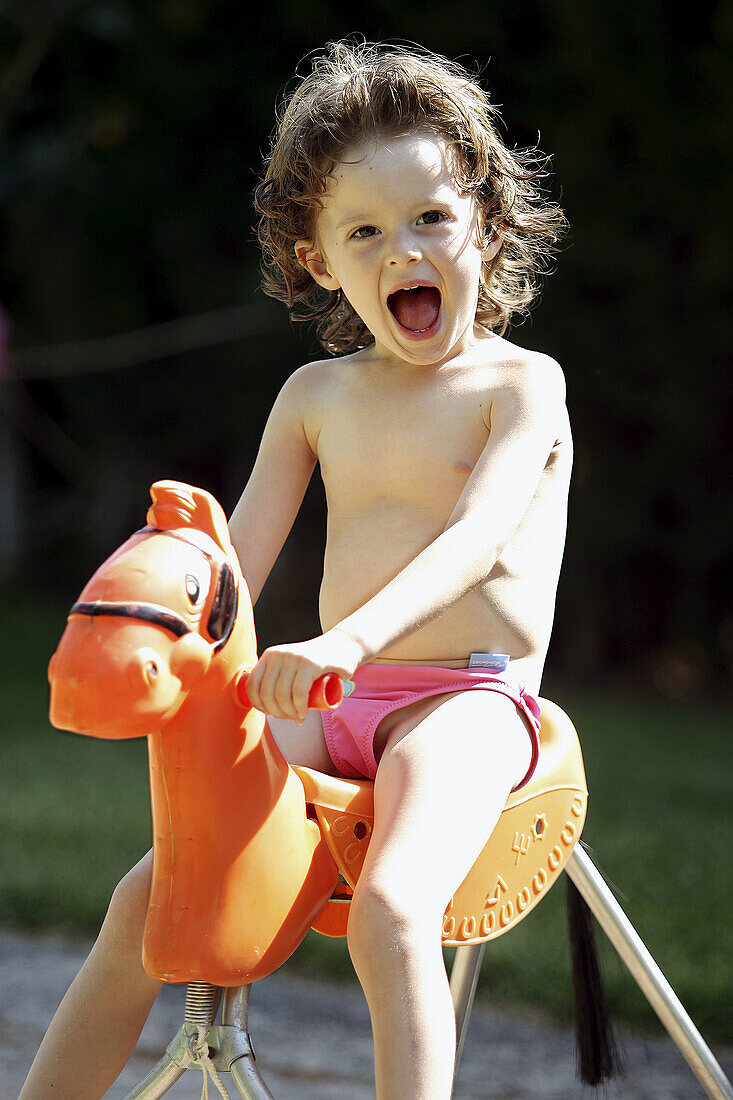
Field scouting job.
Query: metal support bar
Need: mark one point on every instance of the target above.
(156, 1083)
(463, 981)
(647, 974)
(247, 1078)
(229, 1044)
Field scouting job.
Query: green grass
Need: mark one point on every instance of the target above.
(74, 815)
(74, 811)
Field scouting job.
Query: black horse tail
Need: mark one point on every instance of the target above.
(598, 1056)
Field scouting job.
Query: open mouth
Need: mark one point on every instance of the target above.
(415, 308)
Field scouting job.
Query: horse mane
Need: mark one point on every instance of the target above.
(176, 505)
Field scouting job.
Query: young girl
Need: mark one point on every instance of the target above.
(391, 211)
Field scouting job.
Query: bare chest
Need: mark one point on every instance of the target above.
(417, 448)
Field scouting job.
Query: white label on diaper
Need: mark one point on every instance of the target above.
(495, 662)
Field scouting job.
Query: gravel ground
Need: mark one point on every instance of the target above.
(301, 1030)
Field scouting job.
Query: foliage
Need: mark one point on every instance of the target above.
(132, 138)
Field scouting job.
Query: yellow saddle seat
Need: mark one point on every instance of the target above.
(522, 858)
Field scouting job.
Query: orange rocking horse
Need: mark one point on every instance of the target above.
(249, 853)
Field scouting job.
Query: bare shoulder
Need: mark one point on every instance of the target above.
(529, 386)
(306, 394)
(314, 381)
(307, 381)
(529, 371)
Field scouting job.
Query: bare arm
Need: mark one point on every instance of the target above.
(262, 519)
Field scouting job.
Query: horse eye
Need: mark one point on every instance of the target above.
(193, 588)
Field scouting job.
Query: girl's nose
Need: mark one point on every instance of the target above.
(404, 250)
(410, 257)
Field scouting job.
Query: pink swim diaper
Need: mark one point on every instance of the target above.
(379, 689)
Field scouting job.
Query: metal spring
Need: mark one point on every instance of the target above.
(202, 1003)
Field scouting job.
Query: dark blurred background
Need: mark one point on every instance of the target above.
(136, 343)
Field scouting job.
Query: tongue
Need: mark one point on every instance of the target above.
(416, 309)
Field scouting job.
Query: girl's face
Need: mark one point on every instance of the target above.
(401, 240)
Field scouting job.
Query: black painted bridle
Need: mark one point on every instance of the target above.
(223, 610)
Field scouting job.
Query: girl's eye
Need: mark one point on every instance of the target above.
(431, 217)
(363, 232)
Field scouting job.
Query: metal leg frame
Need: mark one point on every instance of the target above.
(463, 981)
(229, 1045)
(644, 970)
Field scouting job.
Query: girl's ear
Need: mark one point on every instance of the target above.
(492, 245)
(312, 260)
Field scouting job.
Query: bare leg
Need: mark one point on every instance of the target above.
(99, 1020)
(447, 769)
(303, 743)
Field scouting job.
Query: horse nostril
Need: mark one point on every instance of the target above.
(148, 666)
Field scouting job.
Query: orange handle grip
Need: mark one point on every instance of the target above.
(325, 694)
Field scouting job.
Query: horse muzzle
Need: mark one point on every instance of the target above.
(108, 680)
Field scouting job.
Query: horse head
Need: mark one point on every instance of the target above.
(159, 620)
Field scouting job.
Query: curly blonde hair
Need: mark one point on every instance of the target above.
(361, 91)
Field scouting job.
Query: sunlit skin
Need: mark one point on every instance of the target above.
(399, 582)
(445, 456)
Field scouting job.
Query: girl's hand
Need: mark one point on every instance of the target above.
(280, 681)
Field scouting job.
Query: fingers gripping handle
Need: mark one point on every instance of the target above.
(325, 694)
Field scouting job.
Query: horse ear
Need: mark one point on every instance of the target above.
(178, 505)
